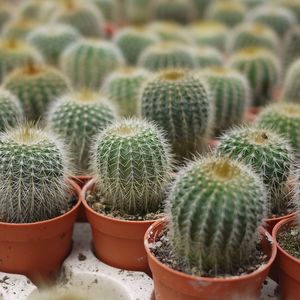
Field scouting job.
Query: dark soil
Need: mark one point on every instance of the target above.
(289, 240)
(282, 213)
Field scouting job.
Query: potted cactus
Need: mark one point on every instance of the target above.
(214, 212)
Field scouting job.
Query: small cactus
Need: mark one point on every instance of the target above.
(132, 163)
(253, 3)
(262, 68)
(18, 28)
(181, 104)
(109, 8)
(208, 56)
(291, 46)
(292, 5)
(201, 7)
(123, 87)
(36, 87)
(88, 62)
(33, 175)
(291, 86)
(77, 118)
(138, 11)
(215, 207)
(31, 9)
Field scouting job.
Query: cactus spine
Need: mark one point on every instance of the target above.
(291, 87)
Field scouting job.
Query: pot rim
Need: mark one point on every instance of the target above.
(278, 219)
(82, 197)
(210, 279)
(75, 187)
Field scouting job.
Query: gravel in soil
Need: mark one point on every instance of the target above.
(289, 240)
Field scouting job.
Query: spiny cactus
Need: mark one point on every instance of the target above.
(19, 28)
(292, 5)
(123, 87)
(138, 11)
(201, 6)
(109, 8)
(253, 35)
(133, 40)
(208, 56)
(88, 62)
(181, 104)
(231, 95)
(166, 55)
(52, 39)
(283, 118)
(5, 14)
(291, 87)
(262, 69)
(215, 207)
(33, 175)
(291, 46)
(132, 164)
(36, 87)
(229, 12)
(269, 154)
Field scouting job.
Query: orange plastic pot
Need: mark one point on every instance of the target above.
(118, 243)
(270, 223)
(38, 249)
(288, 266)
(174, 285)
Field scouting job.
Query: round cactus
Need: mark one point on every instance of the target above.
(132, 164)
(77, 118)
(36, 87)
(291, 87)
(269, 154)
(253, 3)
(291, 46)
(5, 14)
(166, 55)
(33, 175)
(137, 11)
(262, 69)
(88, 62)
(201, 6)
(109, 8)
(231, 96)
(215, 207)
(123, 87)
(208, 56)
(253, 35)
(292, 5)
(31, 9)
(283, 118)
(19, 28)
(180, 103)
(133, 40)
(52, 39)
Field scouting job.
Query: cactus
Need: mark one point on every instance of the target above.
(18, 28)
(215, 207)
(52, 39)
(262, 69)
(5, 14)
(77, 118)
(253, 35)
(275, 16)
(231, 93)
(181, 104)
(109, 8)
(283, 118)
(253, 3)
(138, 11)
(208, 56)
(201, 6)
(36, 87)
(132, 164)
(133, 40)
(229, 12)
(31, 9)
(88, 62)
(33, 175)
(269, 154)
(166, 55)
(291, 46)
(291, 86)
(123, 87)
(292, 5)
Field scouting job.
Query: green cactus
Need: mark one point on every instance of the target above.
(19, 28)
(269, 154)
(166, 55)
(201, 6)
(253, 3)
(215, 207)
(181, 104)
(133, 40)
(231, 96)
(33, 174)
(36, 87)
(262, 68)
(283, 118)
(5, 14)
(208, 56)
(291, 46)
(109, 8)
(52, 39)
(123, 87)
(291, 86)
(88, 62)
(77, 118)
(31, 9)
(253, 35)
(292, 5)
(138, 11)
(132, 163)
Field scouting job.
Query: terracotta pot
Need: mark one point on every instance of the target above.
(118, 243)
(252, 113)
(38, 249)
(174, 285)
(288, 266)
(213, 143)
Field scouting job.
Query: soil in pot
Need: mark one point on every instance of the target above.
(289, 240)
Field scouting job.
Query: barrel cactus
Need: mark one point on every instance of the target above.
(292, 5)
(269, 154)
(88, 62)
(123, 87)
(133, 40)
(36, 87)
(132, 163)
(19, 28)
(253, 3)
(215, 207)
(31, 9)
(291, 46)
(109, 8)
(33, 174)
(262, 68)
(181, 104)
(291, 87)
(138, 11)
(201, 7)
(77, 118)
(52, 39)
(6, 13)
(208, 56)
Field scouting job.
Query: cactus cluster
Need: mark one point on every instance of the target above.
(208, 56)
(291, 87)
(132, 163)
